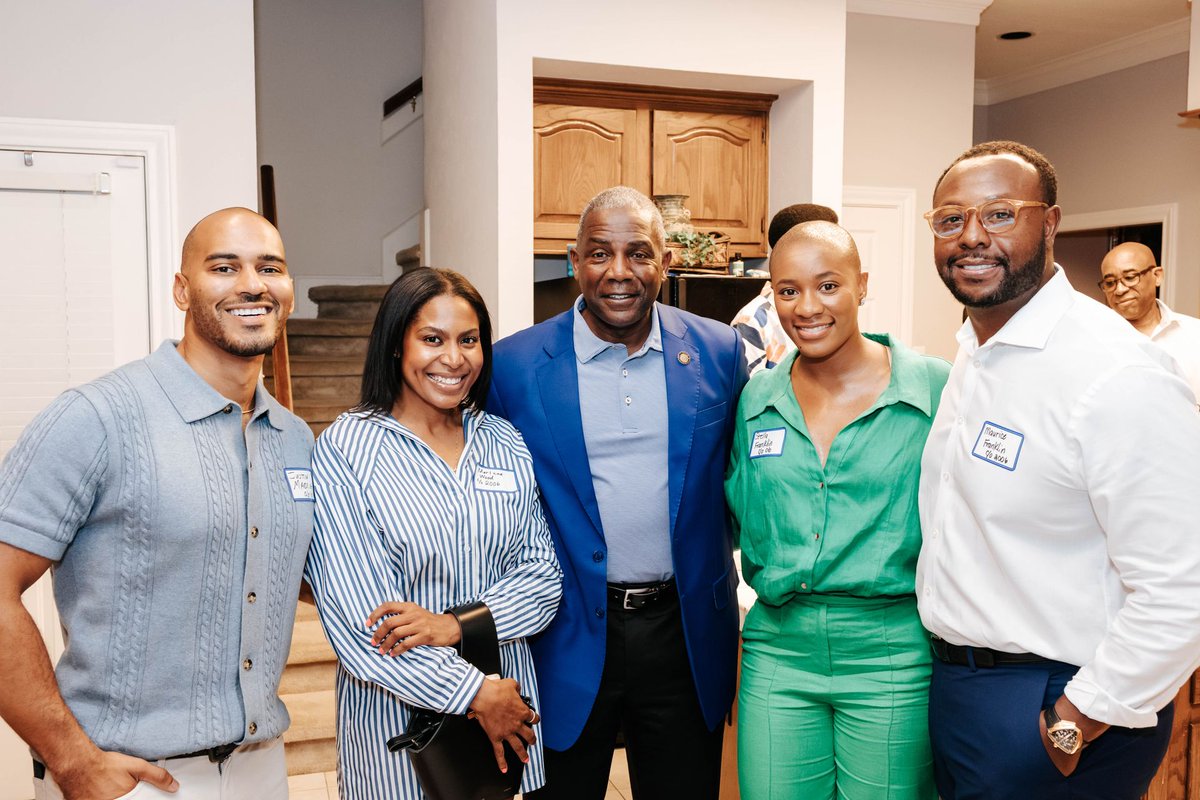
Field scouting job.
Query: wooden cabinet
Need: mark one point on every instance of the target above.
(720, 162)
(577, 152)
(711, 146)
(1178, 777)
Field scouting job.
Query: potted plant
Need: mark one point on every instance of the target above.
(697, 250)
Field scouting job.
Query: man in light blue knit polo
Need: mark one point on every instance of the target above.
(173, 501)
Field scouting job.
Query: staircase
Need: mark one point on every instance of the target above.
(326, 356)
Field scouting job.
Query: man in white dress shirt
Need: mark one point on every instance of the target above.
(1129, 276)
(1060, 570)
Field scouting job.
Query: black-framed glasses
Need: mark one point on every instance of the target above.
(996, 216)
(1131, 279)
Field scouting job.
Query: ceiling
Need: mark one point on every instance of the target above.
(1061, 28)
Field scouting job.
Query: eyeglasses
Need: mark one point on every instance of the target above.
(996, 216)
(1130, 279)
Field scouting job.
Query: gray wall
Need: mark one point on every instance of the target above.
(323, 72)
(903, 127)
(1117, 142)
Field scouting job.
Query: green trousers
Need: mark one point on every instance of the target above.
(834, 701)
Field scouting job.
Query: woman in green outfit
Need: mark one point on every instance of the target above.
(822, 484)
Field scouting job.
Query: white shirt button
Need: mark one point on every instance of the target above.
(977, 363)
(928, 592)
(624, 373)
(628, 400)
(945, 477)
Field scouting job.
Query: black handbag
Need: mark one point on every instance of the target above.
(452, 754)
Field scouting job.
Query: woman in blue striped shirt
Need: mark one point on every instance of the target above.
(424, 503)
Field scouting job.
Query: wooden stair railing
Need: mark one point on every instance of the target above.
(282, 367)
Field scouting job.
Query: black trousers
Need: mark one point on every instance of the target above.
(647, 692)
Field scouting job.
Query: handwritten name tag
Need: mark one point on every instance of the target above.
(998, 445)
(300, 482)
(767, 443)
(491, 479)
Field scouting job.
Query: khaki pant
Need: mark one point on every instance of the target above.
(253, 772)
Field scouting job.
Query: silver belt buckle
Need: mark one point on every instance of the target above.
(630, 593)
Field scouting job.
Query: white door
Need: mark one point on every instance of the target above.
(73, 305)
(881, 221)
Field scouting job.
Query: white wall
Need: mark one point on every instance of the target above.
(187, 63)
(1117, 142)
(1193, 90)
(909, 95)
(481, 56)
(323, 72)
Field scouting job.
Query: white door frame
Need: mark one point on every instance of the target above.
(156, 144)
(1165, 214)
(903, 201)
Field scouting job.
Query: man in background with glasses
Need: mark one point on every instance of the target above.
(1060, 566)
(1129, 277)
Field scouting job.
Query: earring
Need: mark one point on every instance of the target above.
(862, 302)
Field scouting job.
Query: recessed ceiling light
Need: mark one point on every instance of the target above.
(1012, 36)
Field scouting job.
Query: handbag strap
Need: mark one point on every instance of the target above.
(479, 644)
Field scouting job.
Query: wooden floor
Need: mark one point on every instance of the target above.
(323, 785)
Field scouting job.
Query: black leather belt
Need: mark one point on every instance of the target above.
(217, 755)
(636, 596)
(978, 656)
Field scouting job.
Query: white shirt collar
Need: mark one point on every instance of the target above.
(1033, 323)
(1166, 319)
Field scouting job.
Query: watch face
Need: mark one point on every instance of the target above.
(1066, 737)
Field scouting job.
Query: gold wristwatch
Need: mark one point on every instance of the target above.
(1063, 734)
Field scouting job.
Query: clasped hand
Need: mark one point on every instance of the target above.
(505, 717)
(408, 625)
(497, 706)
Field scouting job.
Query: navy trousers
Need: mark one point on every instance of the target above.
(983, 724)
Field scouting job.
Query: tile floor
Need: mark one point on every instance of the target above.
(323, 785)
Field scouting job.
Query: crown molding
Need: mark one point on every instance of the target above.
(1128, 51)
(963, 12)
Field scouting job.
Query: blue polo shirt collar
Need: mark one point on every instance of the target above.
(193, 398)
(588, 345)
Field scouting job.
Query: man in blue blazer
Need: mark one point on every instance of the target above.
(627, 407)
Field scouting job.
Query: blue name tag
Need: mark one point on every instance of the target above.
(299, 480)
(767, 443)
(998, 445)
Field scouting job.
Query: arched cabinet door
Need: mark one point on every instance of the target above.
(577, 152)
(720, 162)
